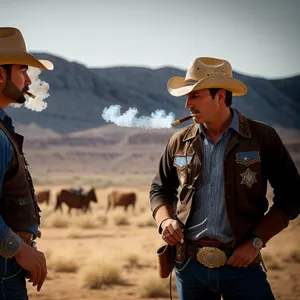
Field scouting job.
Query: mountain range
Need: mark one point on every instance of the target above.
(79, 94)
(70, 136)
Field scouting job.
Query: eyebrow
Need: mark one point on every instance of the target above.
(194, 93)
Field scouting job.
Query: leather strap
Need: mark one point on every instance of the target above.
(27, 237)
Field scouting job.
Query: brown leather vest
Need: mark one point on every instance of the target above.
(18, 205)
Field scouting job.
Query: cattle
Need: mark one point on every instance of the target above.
(75, 199)
(43, 196)
(118, 198)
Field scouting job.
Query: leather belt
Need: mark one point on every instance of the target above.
(211, 253)
(27, 238)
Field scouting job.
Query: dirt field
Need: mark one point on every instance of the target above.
(112, 255)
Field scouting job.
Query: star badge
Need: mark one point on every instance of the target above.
(248, 178)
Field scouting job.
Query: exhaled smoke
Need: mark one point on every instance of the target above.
(38, 88)
(158, 119)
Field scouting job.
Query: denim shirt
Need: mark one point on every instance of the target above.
(208, 218)
(6, 152)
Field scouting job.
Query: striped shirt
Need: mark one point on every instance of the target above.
(208, 218)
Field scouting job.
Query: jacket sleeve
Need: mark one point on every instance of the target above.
(163, 190)
(285, 181)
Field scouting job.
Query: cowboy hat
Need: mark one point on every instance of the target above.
(205, 73)
(13, 50)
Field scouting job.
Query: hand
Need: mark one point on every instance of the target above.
(243, 255)
(34, 262)
(171, 231)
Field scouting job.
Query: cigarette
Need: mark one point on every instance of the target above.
(30, 95)
(181, 120)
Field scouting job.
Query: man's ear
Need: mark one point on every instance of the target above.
(221, 95)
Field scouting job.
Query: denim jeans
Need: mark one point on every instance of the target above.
(197, 282)
(12, 280)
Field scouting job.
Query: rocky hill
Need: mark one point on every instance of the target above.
(78, 96)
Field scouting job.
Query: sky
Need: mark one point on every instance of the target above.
(258, 37)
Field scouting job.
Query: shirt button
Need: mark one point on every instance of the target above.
(213, 184)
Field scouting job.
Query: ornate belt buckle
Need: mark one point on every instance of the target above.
(211, 257)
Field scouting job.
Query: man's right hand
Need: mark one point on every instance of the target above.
(171, 232)
(34, 262)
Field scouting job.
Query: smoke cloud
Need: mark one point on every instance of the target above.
(39, 89)
(158, 119)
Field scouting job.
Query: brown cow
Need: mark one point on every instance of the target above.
(43, 196)
(75, 199)
(118, 198)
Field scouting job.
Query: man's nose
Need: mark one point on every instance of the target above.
(188, 104)
(27, 80)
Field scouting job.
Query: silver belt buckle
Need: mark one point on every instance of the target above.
(211, 257)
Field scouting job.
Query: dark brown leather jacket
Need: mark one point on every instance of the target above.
(246, 179)
(18, 205)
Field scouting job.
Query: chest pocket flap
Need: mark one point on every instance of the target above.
(182, 161)
(247, 158)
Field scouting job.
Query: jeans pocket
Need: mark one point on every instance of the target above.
(10, 269)
(181, 265)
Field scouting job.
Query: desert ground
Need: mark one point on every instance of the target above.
(112, 255)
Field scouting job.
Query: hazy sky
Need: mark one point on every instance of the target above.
(259, 37)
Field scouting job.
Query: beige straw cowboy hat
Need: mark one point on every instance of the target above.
(13, 50)
(204, 73)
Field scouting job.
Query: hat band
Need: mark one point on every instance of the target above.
(189, 82)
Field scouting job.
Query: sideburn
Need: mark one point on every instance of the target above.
(12, 91)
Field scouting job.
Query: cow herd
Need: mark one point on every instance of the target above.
(80, 199)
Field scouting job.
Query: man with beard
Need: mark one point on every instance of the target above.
(222, 164)
(19, 212)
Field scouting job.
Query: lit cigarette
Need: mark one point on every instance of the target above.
(177, 122)
(30, 95)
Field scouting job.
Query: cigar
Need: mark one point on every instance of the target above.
(30, 95)
(177, 122)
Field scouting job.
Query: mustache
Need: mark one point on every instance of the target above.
(25, 89)
(194, 111)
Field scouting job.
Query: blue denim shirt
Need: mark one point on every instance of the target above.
(6, 152)
(208, 217)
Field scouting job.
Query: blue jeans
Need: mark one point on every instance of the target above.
(197, 282)
(12, 280)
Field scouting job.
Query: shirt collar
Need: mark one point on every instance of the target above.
(2, 114)
(234, 123)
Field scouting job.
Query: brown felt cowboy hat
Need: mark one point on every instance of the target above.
(13, 50)
(205, 73)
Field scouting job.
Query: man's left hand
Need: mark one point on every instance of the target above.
(243, 255)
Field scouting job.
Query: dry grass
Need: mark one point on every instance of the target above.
(293, 255)
(121, 219)
(74, 233)
(132, 260)
(271, 262)
(59, 222)
(62, 262)
(101, 272)
(151, 286)
(86, 222)
(145, 220)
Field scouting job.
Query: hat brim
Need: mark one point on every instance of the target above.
(18, 57)
(177, 87)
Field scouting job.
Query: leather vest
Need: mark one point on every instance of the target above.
(18, 205)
